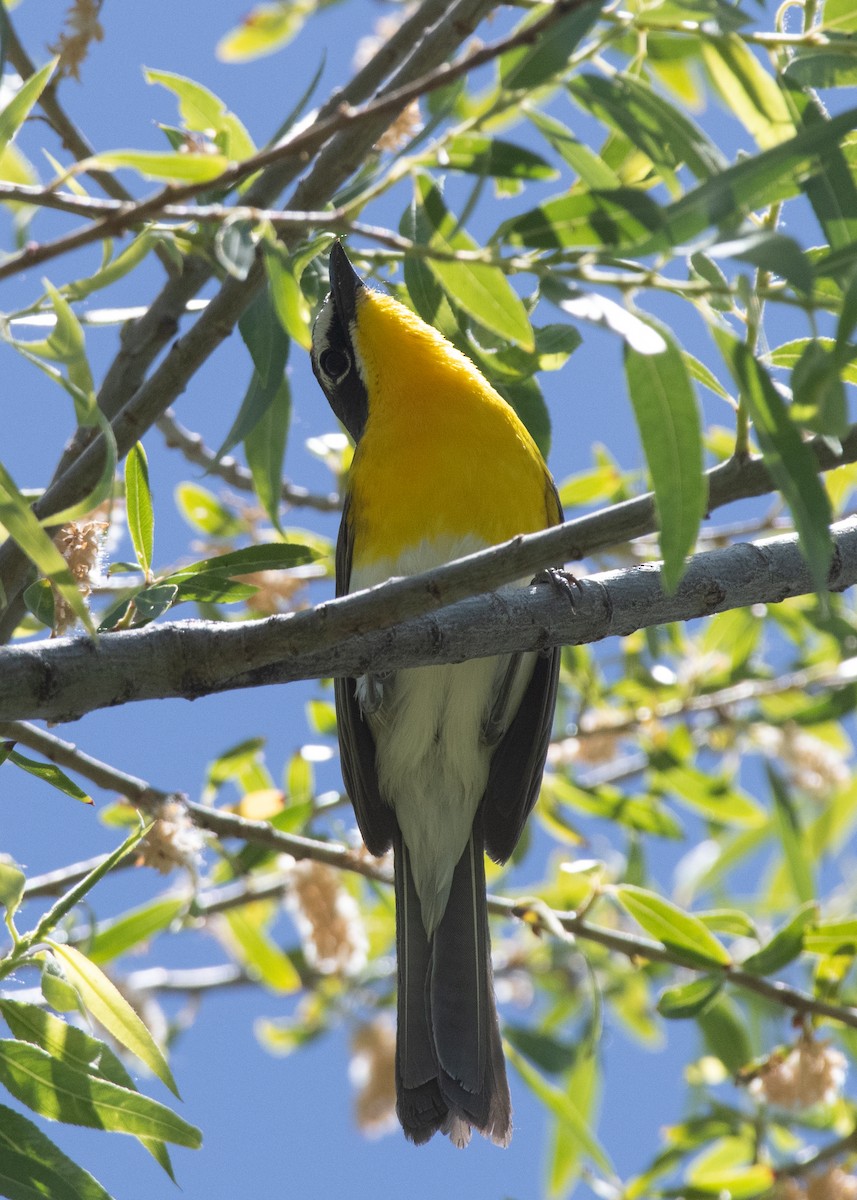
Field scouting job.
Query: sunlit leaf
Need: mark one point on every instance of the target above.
(679, 931)
(186, 167)
(138, 506)
(667, 415)
(33, 1168)
(62, 1093)
(107, 1004)
(13, 116)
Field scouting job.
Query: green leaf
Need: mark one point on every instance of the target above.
(792, 838)
(789, 354)
(56, 989)
(839, 16)
(265, 448)
(679, 931)
(21, 522)
(18, 109)
(266, 556)
(235, 246)
(12, 881)
(107, 1004)
(39, 599)
(774, 252)
(263, 30)
(190, 167)
(573, 1125)
(591, 168)
(138, 504)
(61, 1093)
(822, 67)
(202, 509)
(832, 937)
(786, 944)
(664, 134)
(480, 155)
(704, 792)
(289, 301)
(667, 415)
(33, 1168)
(50, 774)
(747, 89)
(788, 459)
(78, 1050)
(139, 925)
(689, 999)
(116, 268)
(621, 217)
(819, 401)
(268, 344)
(527, 67)
(724, 1030)
(256, 951)
(483, 291)
(203, 112)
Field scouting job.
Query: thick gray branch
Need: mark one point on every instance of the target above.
(63, 679)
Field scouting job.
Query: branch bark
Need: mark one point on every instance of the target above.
(64, 678)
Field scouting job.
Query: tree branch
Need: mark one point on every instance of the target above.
(63, 678)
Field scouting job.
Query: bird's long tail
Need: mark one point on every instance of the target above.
(450, 1070)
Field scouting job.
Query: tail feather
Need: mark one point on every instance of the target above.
(451, 1074)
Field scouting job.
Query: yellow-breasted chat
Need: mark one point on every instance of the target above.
(441, 762)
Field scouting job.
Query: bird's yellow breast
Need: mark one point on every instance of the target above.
(442, 455)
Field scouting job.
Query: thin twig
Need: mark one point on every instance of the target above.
(195, 450)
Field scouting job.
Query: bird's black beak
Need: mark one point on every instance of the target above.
(345, 285)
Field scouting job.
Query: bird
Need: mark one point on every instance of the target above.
(441, 762)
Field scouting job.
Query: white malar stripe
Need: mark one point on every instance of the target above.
(432, 762)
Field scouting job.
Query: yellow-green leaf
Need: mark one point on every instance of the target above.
(675, 929)
(105, 1002)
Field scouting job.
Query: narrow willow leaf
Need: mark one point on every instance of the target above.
(591, 168)
(832, 937)
(786, 456)
(67, 345)
(202, 509)
(21, 522)
(665, 135)
(530, 66)
(139, 925)
(265, 449)
(689, 999)
(564, 1158)
(18, 109)
(839, 16)
(61, 1093)
(774, 252)
(562, 1108)
(120, 266)
(78, 1050)
(33, 1168)
(792, 838)
(819, 402)
(138, 505)
(51, 774)
(724, 1029)
(152, 164)
(483, 291)
(785, 945)
(56, 989)
(263, 30)
(667, 414)
(269, 345)
(235, 246)
(266, 556)
(713, 796)
(679, 931)
(250, 944)
(203, 112)
(107, 1004)
(738, 1182)
(289, 302)
(481, 155)
(12, 880)
(822, 67)
(620, 218)
(747, 89)
(39, 599)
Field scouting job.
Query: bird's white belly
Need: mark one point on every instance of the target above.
(431, 758)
